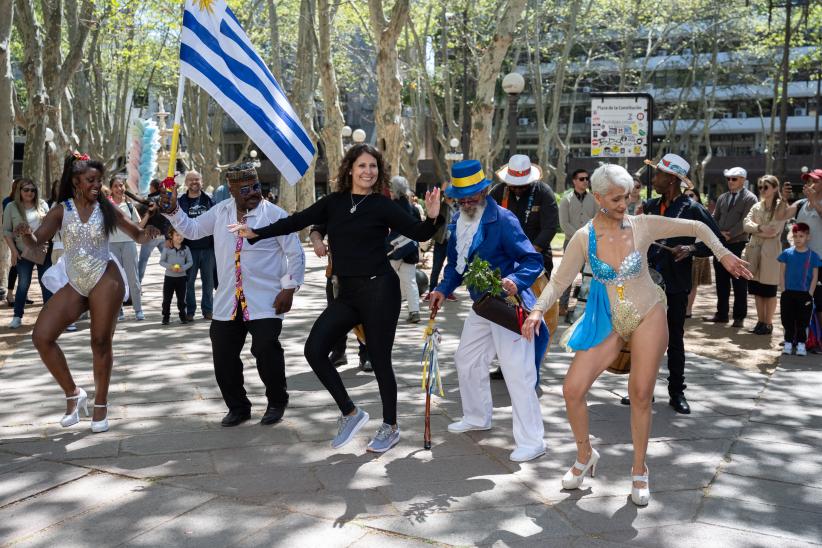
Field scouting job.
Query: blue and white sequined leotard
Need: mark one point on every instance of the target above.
(621, 298)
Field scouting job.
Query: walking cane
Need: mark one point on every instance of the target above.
(430, 372)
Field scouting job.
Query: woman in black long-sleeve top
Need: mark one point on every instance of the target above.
(358, 217)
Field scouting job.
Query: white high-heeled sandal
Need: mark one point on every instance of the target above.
(74, 417)
(641, 496)
(573, 481)
(100, 426)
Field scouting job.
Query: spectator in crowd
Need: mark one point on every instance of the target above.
(12, 279)
(731, 209)
(151, 218)
(177, 260)
(447, 210)
(406, 252)
(222, 193)
(124, 248)
(808, 210)
(762, 252)
(194, 203)
(523, 193)
(799, 270)
(576, 208)
(701, 269)
(27, 209)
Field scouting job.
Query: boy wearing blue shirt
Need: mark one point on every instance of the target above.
(799, 271)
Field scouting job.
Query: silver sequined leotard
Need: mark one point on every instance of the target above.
(86, 248)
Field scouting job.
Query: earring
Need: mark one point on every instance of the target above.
(603, 210)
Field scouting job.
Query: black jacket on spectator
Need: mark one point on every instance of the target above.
(677, 275)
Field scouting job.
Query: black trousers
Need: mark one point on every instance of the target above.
(375, 303)
(174, 286)
(724, 282)
(227, 341)
(339, 346)
(796, 308)
(677, 305)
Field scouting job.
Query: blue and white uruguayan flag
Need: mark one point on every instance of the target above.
(217, 55)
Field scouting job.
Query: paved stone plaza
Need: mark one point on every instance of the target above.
(744, 469)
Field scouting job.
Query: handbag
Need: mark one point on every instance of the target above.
(36, 254)
(501, 311)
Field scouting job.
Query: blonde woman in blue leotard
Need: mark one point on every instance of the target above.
(623, 302)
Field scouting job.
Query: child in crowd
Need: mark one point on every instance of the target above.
(176, 260)
(799, 270)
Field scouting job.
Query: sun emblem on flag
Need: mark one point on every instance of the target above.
(205, 5)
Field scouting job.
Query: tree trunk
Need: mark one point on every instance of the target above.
(6, 118)
(37, 107)
(332, 130)
(489, 65)
(388, 114)
(301, 196)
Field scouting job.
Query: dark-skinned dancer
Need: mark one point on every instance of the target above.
(87, 278)
(358, 217)
(257, 285)
(675, 267)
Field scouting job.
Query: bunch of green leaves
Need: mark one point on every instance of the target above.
(482, 279)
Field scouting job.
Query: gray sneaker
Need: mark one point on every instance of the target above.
(348, 427)
(385, 438)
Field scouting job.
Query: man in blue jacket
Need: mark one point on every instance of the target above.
(484, 229)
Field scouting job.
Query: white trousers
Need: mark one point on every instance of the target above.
(408, 283)
(480, 341)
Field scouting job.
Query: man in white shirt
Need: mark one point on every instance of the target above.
(257, 285)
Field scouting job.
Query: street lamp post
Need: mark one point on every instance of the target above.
(345, 133)
(254, 161)
(453, 155)
(358, 136)
(512, 84)
(49, 146)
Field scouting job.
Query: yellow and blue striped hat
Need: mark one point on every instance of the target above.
(467, 179)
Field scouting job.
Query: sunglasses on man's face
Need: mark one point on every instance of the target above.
(246, 190)
(733, 178)
(468, 201)
(582, 178)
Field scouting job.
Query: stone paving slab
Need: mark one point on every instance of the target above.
(742, 470)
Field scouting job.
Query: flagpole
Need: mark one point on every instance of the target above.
(175, 136)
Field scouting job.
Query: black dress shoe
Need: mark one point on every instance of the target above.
(338, 359)
(627, 401)
(757, 330)
(739, 323)
(233, 418)
(715, 319)
(497, 375)
(680, 404)
(272, 415)
(365, 365)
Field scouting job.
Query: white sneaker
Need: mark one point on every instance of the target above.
(121, 316)
(523, 454)
(461, 426)
(15, 322)
(800, 349)
(72, 327)
(788, 348)
(140, 316)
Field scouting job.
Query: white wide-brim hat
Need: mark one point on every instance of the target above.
(519, 171)
(675, 165)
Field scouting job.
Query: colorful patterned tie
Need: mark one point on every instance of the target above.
(239, 296)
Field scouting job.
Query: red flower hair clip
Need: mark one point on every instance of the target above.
(81, 157)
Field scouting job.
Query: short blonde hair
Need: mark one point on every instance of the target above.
(608, 175)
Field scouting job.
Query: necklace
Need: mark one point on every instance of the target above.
(354, 205)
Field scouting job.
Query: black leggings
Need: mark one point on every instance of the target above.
(375, 303)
